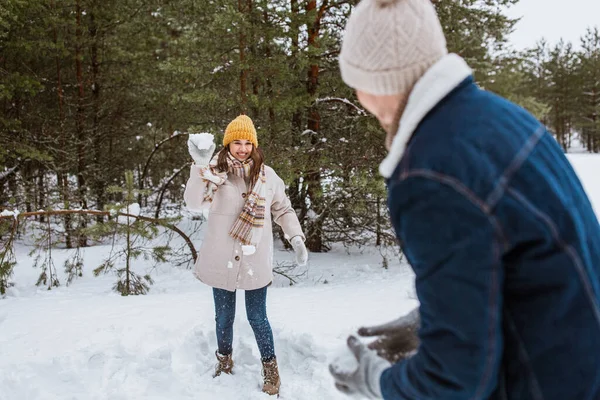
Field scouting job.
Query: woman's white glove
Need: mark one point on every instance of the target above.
(300, 249)
(201, 147)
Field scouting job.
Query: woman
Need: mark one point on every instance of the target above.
(237, 251)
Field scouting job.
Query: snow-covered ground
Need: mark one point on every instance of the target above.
(86, 342)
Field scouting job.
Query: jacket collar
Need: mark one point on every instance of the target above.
(443, 77)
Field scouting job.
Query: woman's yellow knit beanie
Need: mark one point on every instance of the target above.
(241, 128)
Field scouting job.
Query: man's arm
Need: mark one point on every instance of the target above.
(453, 247)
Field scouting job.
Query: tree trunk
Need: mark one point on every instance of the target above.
(296, 196)
(379, 218)
(243, 68)
(41, 189)
(98, 179)
(61, 176)
(28, 186)
(314, 189)
(269, 84)
(79, 124)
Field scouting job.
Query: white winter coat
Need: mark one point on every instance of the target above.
(221, 262)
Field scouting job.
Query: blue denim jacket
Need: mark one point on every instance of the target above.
(506, 251)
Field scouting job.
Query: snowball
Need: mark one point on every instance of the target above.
(248, 250)
(230, 265)
(202, 140)
(250, 272)
(344, 361)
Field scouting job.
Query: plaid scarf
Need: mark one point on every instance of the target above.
(247, 227)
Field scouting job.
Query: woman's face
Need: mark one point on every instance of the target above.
(241, 149)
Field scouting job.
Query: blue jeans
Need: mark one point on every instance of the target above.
(256, 311)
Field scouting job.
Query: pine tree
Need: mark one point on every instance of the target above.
(512, 79)
(476, 30)
(44, 260)
(589, 91)
(114, 85)
(136, 233)
(563, 93)
(8, 230)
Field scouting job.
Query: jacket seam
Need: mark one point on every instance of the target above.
(514, 165)
(567, 248)
(492, 324)
(535, 389)
(494, 316)
(459, 187)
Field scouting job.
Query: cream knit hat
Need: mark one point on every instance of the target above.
(389, 44)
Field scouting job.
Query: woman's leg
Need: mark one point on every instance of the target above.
(224, 316)
(256, 310)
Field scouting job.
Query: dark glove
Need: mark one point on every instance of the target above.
(396, 339)
(363, 380)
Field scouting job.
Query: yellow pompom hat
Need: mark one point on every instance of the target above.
(241, 128)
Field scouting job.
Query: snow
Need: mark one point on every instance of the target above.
(7, 213)
(248, 250)
(202, 140)
(342, 100)
(85, 341)
(312, 215)
(587, 166)
(7, 172)
(132, 209)
(223, 67)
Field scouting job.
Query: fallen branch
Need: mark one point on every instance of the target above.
(108, 214)
(282, 269)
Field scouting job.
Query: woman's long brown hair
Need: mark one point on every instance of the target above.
(257, 156)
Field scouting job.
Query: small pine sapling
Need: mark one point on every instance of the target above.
(8, 229)
(137, 235)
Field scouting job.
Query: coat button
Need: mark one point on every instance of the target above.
(237, 258)
(244, 195)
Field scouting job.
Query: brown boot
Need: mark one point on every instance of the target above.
(271, 381)
(224, 364)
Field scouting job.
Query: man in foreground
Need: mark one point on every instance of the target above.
(503, 240)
